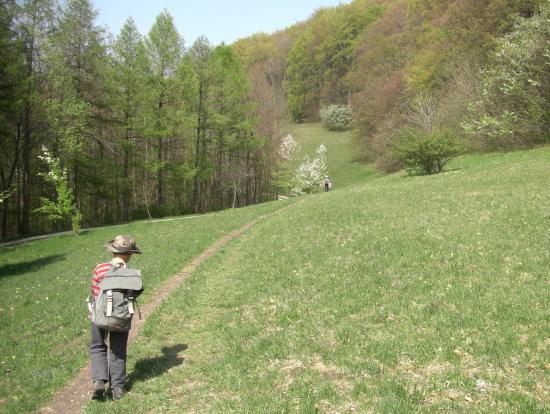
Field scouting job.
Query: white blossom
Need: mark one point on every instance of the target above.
(55, 174)
(288, 147)
(3, 196)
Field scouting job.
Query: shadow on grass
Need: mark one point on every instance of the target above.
(11, 244)
(153, 367)
(14, 269)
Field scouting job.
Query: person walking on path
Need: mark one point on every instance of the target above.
(108, 348)
(328, 183)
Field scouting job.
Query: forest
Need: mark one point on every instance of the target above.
(97, 128)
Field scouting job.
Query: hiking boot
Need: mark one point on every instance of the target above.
(99, 390)
(117, 393)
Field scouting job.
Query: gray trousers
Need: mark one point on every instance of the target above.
(112, 367)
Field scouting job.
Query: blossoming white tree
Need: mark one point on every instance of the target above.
(287, 151)
(63, 207)
(310, 175)
(288, 148)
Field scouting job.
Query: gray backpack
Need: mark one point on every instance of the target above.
(113, 308)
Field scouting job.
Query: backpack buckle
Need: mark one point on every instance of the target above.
(131, 306)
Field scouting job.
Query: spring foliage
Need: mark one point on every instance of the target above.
(148, 127)
(479, 68)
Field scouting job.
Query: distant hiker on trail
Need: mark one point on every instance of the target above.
(111, 307)
(328, 183)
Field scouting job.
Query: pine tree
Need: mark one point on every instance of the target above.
(35, 19)
(11, 68)
(199, 55)
(165, 47)
(232, 125)
(129, 101)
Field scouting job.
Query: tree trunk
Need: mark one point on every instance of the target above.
(19, 181)
(134, 176)
(146, 181)
(247, 179)
(5, 202)
(24, 227)
(196, 176)
(117, 190)
(160, 182)
(198, 132)
(97, 203)
(160, 179)
(203, 193)
(125, 186)
(5, 210)
(218, 189)
(6, 183)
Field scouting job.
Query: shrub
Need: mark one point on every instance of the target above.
(336, 117)
(426, 153)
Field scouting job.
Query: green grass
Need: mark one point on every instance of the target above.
(397, 294)
(44, 284)
(404, 294)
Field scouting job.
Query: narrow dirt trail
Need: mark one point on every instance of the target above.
(75, 395)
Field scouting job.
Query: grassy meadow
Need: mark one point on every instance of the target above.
(390, 294)
(404, 294)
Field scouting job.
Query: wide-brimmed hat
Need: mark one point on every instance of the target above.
(122, 244)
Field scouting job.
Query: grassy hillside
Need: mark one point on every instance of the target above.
(395, 294)
(403, 294)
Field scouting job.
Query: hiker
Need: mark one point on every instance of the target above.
(109, 343)
(328, 183)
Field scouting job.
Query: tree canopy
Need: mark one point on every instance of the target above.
(145, 126)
